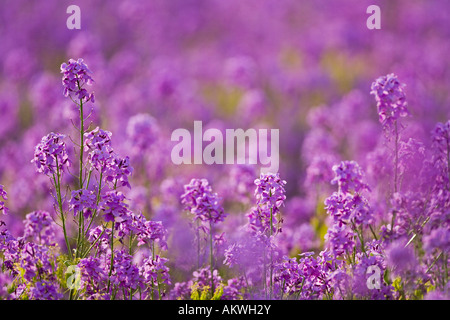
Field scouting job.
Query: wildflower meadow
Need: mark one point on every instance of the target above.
(224, 150)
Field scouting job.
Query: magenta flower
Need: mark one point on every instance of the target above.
(199, 199)
(51, 154)
(83, 201)
(98, 146)
(4, 196)
(349, 177)
(39, 226)
(114, 207)
(390, 98)
(76, 74)
(142, 131)
(270, 191)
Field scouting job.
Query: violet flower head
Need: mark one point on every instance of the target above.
(390, 98)
(117, 170)
(45, 290)
(142, 130)
(114, 207)
(346, 208)
(348, 175)
(98, 146)
(40, 227)
(152, 268)
(270, 191)
(125, 274)
(76, 74)
(50, 154)
(199, 199)
(340, 239)
(259, 220)
(4, 196)
(441, 151)
(83, 201)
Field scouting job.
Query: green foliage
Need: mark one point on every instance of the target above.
(196, 294)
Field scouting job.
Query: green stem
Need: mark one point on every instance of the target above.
(112, 256)
(57, 182)
(80, 217)
(396, 156)
(211, 257)
(271, 252)
(373, 232)
(98, 201)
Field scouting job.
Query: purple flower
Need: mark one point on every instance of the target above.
(270, 191)
(319, 171)
(390, 98)
(103, 244)
(340, 239)
(98, 146)
(4, 196)
(117, 170)
(75, 75)
(346, 208)
(40, 227)
(94, 277)
(36, 261)
(83, 201)
(5, 281)
(181, 290)
(259, 220)
(125, 274)
(199, 199)
(50, 154)
(155, 272)
(348, 175)
(361, 275)
(142, 131)
(441, 152)
(45, 290)
(234, 289)
(202, 278)
(114, 207)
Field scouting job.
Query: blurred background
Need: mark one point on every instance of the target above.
(303, 67)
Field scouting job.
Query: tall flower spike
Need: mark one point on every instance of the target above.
(270, 191)
(75, 75)
(391, 99)
(348, 175)
(199, 199)
(3, 195)
(51, 153)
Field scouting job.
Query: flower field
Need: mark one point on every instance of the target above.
(93, 205)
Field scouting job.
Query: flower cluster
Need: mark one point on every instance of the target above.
(50, 155)
(40, 227)
(75, 75)
(270, 191)
(84, 201)
(391, 99)
(4, 196)
(348, 176)
(199, 199)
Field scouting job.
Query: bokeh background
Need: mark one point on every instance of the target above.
(303, 67)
